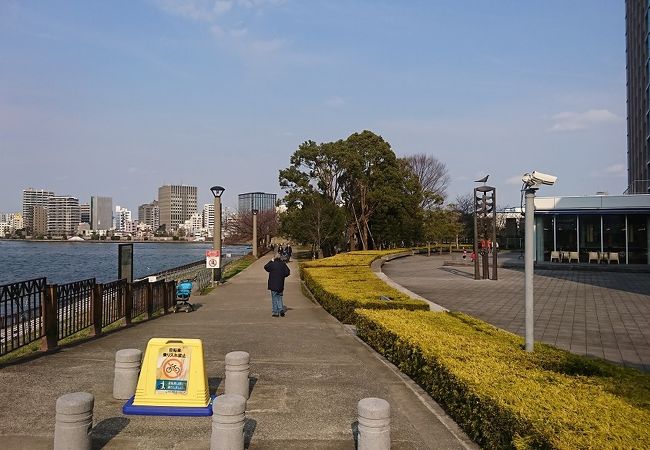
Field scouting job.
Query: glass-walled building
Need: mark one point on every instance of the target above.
(612, 227)
(261, 201)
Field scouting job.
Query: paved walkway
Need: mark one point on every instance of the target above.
(308, 373)
(601, 314)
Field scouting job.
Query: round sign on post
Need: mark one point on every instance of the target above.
(212, 259)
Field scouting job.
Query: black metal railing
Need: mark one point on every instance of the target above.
(139, 292)
(113, 300)
(20, 313)
(74, 307)
(32, 310)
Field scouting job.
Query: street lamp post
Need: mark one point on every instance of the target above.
(255, 211)
(532, 182)
(216, 233)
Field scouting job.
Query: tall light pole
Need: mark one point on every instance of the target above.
(216, 233)
(532, 183)
(255, 211)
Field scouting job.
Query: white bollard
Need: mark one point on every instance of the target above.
(237, 368)
(374, 424)
(127, 368)
(74, 421)
(228, 416)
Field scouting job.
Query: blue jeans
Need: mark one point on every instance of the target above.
(276, 302)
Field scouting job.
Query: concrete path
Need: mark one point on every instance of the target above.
(308, 373)
(603, 314)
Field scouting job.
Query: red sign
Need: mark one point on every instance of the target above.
(212, 253)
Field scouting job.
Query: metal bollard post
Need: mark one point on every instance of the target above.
(74, 421)
(127, 368)
(374, 424)
(228, 415)
(237, 368)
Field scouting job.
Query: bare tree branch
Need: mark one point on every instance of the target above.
(433, 175)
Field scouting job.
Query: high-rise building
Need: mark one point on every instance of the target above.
(260, 201)
(32, 198)
(62, 215)
(149, 214)
(638, 91)
(101, 213)
(208, 217)
(84, 213)
(177, 203)
(39, 220)
(122, 216)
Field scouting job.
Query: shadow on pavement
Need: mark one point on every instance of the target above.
(252, 381)
(214, 383)
(354, 426)
(249, 430)
(457, 272)
(106, 430)
(638, 283)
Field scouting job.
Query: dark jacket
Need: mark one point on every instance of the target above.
(278, 271)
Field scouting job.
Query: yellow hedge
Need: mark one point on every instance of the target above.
(505, 397)
(345, 282)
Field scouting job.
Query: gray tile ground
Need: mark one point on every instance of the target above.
(602, 314)
(308, 374)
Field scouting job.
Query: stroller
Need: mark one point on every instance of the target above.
(183, 292)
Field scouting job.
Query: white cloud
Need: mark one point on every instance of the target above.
(222, 6)
(200, 10)
(515, 180)
(613, 171)
(574, 121)
(335, 102)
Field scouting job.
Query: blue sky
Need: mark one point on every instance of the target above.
(117, 98)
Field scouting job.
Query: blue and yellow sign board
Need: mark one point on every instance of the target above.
(172, 380)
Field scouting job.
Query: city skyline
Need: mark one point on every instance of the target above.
(107, 98)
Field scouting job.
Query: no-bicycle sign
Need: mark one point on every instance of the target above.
(212, 259)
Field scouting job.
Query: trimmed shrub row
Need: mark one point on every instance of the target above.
(504, 397)
(345, 282)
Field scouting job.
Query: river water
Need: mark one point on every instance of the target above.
(64, 262)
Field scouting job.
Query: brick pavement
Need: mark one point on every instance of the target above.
(601, 314)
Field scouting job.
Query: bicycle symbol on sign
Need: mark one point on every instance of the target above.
(172, 367)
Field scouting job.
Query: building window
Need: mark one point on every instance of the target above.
(614, 233)
(566, 233)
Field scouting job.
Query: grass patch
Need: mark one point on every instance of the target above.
(235, 267)
(35, 347)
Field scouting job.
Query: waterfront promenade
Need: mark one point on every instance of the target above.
(308, 373)
(597, 313)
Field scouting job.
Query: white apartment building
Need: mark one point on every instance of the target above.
(208, 217)
(194, 224)
(122, 216)
(63, 215)
(34, 198)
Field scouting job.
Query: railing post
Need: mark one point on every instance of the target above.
(128, 303)
(149, 301)
(164, 299)
(98, 309)
(50, 337)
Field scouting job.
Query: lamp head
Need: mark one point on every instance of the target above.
(217, 191)
(255, 211)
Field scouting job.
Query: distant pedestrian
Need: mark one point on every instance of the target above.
(289, 251)
(278, 271)
(464, 254)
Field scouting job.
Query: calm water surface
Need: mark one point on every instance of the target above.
(63, 262)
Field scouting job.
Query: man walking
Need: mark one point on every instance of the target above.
(278, 271)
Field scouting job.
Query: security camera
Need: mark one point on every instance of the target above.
(537, 178)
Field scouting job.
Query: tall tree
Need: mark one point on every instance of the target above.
(433, 176)
(370, 177)
(315, 221)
